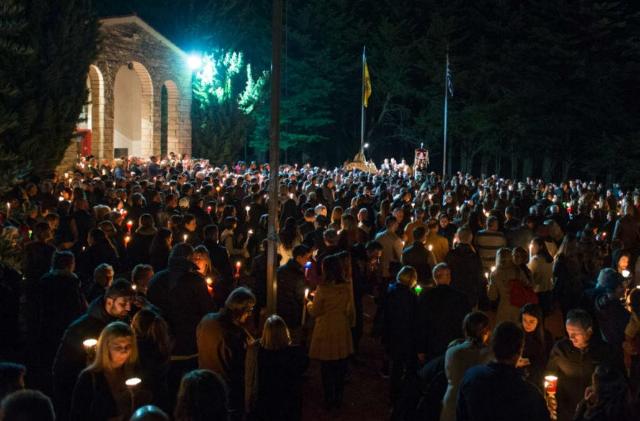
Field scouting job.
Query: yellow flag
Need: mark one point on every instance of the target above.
(367, 85)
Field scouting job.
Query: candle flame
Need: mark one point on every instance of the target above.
(89, 343)
(133, 381)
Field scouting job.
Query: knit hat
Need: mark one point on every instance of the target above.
(609, 279)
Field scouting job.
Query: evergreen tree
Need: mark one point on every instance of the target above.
(48, 81)
(13, 49)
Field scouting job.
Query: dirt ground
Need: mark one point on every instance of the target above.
(366, 395)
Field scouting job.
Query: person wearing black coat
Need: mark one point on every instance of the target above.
(497, 391)
(418, 257)
(160, 249)
(138, 249)
(71, 357)
(181, 295)
(574, 359)
(99, 251)
(290, 291)
(611, 314)
(440, 313)
(273, 377)
(466, 268)
(398, 338)
(61, 302)
(218, 254)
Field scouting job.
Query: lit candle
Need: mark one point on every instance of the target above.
(66, 175)
(418, 289)
(126, 240)
(104, 172)
(133, 382)
(134, 287)
(250, 232)
(209, 210)
(60, 198)
(247, 208)
(486, 275)
(430, 247)
(457, 208)
(290, 195)
(493, 269)
(304, 307)
(184, 238)
(129, 225)
(551, 384)
(209, 281)
(238, 266)
(89, 343)
(626, 273)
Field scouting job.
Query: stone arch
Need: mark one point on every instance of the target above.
(170, 128)
(133, 110)
(96, 98)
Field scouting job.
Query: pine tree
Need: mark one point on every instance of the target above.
(13, 49)
(48, 82)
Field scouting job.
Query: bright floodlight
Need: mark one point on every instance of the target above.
(194, 61)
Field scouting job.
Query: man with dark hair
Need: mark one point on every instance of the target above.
(222, 343)
(61, 302)
(497, 391)
(418, 257)
(290, 291)
(218, 254)
(574, 358)
(189, 228)
(71, 357)
(308, 225)
(140, 277)
(27, 405)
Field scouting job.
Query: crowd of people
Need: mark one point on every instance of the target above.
(137, 289)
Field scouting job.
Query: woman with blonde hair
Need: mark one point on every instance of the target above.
(273, 374)
(500, 283)
(101, 392)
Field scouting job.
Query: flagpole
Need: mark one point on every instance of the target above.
(364, 50)
(446, 100)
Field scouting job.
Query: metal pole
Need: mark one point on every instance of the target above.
(446, 100)
(364, 51)
(274, 159)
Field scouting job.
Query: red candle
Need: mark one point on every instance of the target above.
(238, 265)
(129, 225)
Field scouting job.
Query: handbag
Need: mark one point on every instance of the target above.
(521, 294)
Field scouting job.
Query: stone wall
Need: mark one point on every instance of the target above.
(130, 41)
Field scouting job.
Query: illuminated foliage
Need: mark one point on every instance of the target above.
(225, 94)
